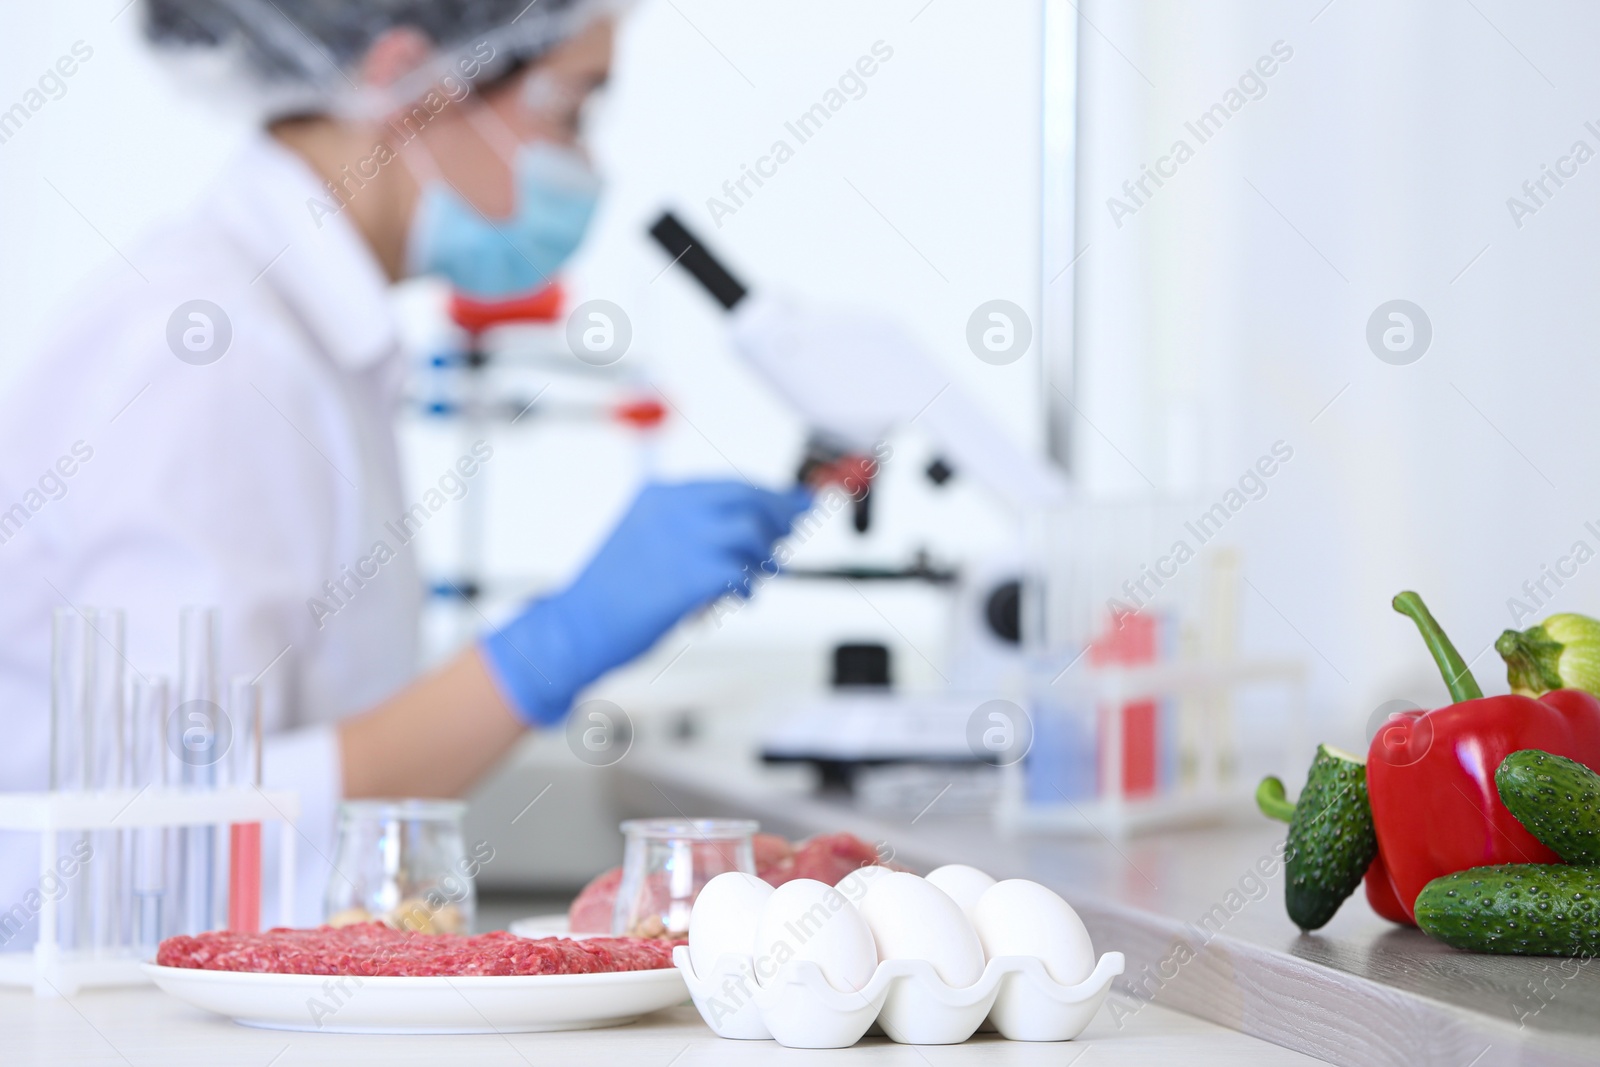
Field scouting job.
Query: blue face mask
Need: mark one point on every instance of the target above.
(492, 258)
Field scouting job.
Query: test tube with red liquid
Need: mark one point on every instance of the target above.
(244, 839)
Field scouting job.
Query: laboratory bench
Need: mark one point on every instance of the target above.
(1245, 988)
(1203, 931)
(143, 1026)
(146, 1028)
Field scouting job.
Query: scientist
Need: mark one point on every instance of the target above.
(213, 422)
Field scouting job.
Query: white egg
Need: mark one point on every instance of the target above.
(912, 919)
(725, 917)
(964, 884)
(1021, 918)
(809, 920)
(854, 885)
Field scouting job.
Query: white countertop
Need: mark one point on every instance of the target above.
(1361, 991)
(138, 1027)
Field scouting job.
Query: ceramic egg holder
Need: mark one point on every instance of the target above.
(798, 1007)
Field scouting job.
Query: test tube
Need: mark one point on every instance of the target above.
(68, 681)
(69, 701)
(105, 736)
(196, 741)
(244, 840)
(149, 771)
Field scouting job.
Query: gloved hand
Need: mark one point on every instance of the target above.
(678, 548)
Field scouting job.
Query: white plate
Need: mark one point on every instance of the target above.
(480, 1004)
(537, 926)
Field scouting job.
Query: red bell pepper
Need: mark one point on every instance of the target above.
(1431, 774)
(1380, 893)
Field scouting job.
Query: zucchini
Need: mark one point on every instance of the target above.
(1520, 909)
(1557, 799)
(1331, 838)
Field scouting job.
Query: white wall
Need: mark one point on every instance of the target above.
(1389, 143)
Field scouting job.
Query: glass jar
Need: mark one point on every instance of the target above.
(405, 863)
(666, 862)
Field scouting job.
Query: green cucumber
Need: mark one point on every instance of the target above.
(1273, 801)
(1331, 838)
(1517, 909)
(1557, 799)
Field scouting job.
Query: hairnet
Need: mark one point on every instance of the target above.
(304, 54)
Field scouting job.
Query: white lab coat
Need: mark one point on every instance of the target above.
(246, 484)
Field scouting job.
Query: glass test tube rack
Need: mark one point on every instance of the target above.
(1101, 708)
(1144, 711)
(53, 971)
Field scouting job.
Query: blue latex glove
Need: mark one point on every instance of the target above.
(678, 548)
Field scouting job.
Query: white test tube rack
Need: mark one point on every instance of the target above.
(51, 971)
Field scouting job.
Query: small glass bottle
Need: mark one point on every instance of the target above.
(665, 864)
(405, 863)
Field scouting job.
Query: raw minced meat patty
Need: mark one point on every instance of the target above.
(371, 950)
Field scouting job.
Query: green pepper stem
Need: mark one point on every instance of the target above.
(1273, 801)
(1532, 660)
(1457, 678)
